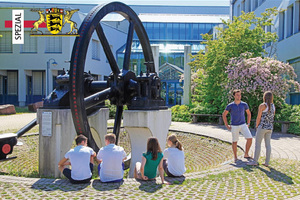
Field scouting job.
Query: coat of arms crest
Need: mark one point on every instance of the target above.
(54, 18)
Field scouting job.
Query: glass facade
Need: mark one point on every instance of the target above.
(171, 39)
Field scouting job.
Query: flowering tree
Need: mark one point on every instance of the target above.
(256, 75)
(244, 33)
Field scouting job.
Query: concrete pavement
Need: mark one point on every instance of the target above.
(281, 181)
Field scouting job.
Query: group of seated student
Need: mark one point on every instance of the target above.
(111, 161)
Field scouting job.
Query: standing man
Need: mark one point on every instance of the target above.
(237, 111)
(111, 157)
(81, 158)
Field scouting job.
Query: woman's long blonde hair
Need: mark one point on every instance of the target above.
(175, 141)
(268, 99)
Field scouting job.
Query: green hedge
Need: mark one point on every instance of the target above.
(112, 109)
(289, 113)
(181, 113)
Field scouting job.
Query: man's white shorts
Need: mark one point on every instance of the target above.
(235, 130)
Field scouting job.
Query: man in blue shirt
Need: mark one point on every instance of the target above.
(237, 111)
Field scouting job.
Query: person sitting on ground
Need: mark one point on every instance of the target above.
(173, 162)
(81, 158)
(110, 159)
(150, 161)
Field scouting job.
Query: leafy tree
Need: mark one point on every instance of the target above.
(258, 75)
(242, 34)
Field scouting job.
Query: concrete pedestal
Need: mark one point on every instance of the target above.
(140, 125)
(57, 133)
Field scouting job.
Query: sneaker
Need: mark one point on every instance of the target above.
(252, 163)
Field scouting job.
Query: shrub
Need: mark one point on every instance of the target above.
(181, 113)
(289, 113)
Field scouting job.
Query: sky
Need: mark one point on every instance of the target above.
(138, 2)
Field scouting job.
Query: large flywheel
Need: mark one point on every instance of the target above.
(123, 86)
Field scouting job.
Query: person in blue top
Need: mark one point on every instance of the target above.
(237, 111)
(151, 160)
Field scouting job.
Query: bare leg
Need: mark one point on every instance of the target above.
(234, 149)
(136, 170)
(248, 145)
(61, 168)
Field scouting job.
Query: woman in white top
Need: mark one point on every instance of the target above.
(173, 162)
(264, 128)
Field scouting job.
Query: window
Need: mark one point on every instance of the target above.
(6, 42)
(255, 4)
(182, 31)
(169, 31)
(176, 31)
(53, 45)
(296, 67)
(290, 20)
(30, 44)
(297, 17)
(149, 30)
(162, 30)
(188, 31)
(249, 5)
(238, 10)
(12, 83)
(243, 6)
(195, 34)
(38, 83)
(95, 49)
(155, 30)
(1, 85)
(281, 25)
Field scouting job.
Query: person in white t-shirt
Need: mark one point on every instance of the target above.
(81, 158)
(173, 162)
(110, 159)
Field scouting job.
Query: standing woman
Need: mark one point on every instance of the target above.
(264, 126)
(173, 162)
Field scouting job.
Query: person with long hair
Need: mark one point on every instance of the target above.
(173, 162)
(146, 170)
(264, 126)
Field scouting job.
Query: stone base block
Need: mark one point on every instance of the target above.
(140, 125)
(34, 106)
(7, 109)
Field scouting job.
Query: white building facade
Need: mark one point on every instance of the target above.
(28, 71)
(287, 26)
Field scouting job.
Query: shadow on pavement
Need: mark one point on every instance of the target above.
(277, 175)
(98, 185)
(58, 184)
(272, 173)
(149, 186)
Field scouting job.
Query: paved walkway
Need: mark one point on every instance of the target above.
(283, 146)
